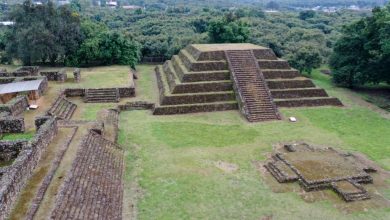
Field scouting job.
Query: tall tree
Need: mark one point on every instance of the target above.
(42, 33)
(362, 54)
(228, 30)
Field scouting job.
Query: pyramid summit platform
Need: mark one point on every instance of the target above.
(248, 77)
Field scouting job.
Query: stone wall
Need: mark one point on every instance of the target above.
(75, 92)
(77, 75)
(26, 71)
(9, 150)
(16, 175)
(12, 125)
(138, 105)
(124, 92)
(41, 120)
(5, 80)
(16, 106)
(59, 76)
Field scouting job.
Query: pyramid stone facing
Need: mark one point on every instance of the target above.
(204, 77)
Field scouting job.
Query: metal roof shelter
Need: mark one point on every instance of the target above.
(22, 86)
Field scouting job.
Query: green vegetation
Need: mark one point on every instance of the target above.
(362, 54)
(173, 159)
(228, 30)
(12, 137)
(59, 35)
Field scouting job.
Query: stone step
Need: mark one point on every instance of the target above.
(108, 95)
(251, 86)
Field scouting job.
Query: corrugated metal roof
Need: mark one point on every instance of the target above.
(20, 86)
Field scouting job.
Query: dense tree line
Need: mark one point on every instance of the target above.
(362, 54)
(306, 39)
(49, 34)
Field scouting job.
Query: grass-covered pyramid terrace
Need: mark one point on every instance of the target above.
(216, 77)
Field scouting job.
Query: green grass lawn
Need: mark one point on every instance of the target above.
(172, 158)
(13, 137)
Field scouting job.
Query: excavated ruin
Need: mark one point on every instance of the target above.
(317, 168)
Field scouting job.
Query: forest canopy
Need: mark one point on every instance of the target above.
(362, 54)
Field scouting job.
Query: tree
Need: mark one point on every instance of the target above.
(228, 30)
(304, 15)
(362, 54)
(306, 59)
(104, 47)
(42, 33)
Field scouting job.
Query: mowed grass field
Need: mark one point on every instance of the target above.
(171, 170)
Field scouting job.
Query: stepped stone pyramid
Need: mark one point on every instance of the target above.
(216, 77)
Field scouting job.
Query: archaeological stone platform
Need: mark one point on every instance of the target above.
(318, 168)
(216, 77)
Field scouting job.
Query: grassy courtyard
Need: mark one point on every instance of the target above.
(171, 160)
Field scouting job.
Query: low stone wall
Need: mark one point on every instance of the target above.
(41, 120)
(80, 92)
(75, 92)
(125, 92)
(4, 74)
(12, 125)
(16, 106)
(59, 76)
(6, 80)
(9, 150)
(139, 105)
(15, 176)
(26, 71)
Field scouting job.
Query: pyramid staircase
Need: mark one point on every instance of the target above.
(250, 87)
(62, 108)
(201, 79)
(102, 95)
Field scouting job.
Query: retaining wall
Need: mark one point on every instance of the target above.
(12, 125)
(9, 150)
(15, 176)
(59, 76)
(16, 106)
